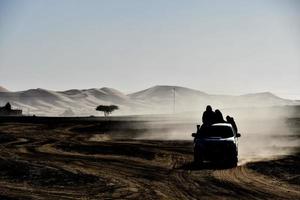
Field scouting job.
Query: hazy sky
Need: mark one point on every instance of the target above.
(224, 47)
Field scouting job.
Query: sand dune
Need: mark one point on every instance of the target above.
(155, 100)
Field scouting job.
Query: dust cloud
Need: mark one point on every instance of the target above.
(266, 132)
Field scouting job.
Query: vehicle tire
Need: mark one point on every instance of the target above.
(233, 162)
(197, 157)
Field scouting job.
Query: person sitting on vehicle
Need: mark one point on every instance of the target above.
(232, 122)
(219, 117)
(198, 131)
(208, 116)
(198, 128)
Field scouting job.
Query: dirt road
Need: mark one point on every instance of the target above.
(42, 161)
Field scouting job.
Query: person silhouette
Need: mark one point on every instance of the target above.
(232, 122)
(219, 117)
(208, 117)
(198, 128)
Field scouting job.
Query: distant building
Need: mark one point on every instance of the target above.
(7, 111)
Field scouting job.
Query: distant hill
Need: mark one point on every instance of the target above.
(157, 99)
(189, 99)
(165, 92)
(81, 102)
(2, 89)
(160, 99)
(264, 99)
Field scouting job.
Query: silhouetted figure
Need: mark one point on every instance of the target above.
(208, 117)
(232, 122)
(219, 117)
(198, 129)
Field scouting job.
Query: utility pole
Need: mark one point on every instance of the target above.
(174, 100)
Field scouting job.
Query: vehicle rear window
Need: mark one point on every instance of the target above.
(217, 131)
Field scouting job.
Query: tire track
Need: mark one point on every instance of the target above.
(57, 163)
(259, 185)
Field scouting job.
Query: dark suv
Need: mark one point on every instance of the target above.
(216, 143)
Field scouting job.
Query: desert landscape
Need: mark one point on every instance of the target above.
(142, 158)
(136, 99)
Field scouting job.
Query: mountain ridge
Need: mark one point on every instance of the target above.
(156, 99)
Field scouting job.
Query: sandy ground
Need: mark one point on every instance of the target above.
(89, 161)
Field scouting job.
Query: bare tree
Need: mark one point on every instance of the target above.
(107, 109)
